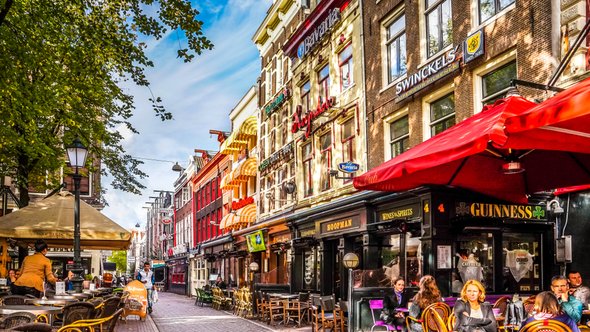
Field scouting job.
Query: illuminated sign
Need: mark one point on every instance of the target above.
(426, 75)
(491, 210)
(403, 212)
(322, 29)
(305, 121)
(340, 225)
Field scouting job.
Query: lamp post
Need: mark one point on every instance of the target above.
(350, 261)
(253, 268)
(77, 155)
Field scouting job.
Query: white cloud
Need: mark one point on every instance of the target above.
(199, 94)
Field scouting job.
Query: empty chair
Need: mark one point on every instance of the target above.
(32, 327)
(77, 311)
(108, 307)
(297, 310)
(14, 300)
(16, 319)
(323, 313)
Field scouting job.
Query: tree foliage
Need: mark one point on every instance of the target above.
(63, 65)
(119, 257)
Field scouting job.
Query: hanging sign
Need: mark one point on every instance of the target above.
(348, 167)
(438, 68)
(473, 46)
(166, 220)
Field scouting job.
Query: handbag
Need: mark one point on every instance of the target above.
(154, 296)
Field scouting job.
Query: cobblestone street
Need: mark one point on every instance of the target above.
(176, 313)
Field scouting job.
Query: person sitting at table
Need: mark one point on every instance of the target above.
(569, 304)
(579, 291)
(35, 270)
(220, 283)
(68, 281)
(472, 313)
(547, 308)
(428, 294)
(391, 304)
(11, 277)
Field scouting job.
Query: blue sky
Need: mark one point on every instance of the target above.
(200, 95)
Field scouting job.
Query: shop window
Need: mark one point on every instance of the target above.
(413, 260)
(307, 158)
(346, 67)
(324, 83)
(399, 132)
(442, 114)
(521, 261)
(395, 44)
(304, 92)
(475, 261)
(439, 25)
(489, 8)
(496, 84)
(391, 257)
(325, 161)
(348, 134)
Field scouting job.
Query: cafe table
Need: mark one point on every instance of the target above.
(51, 302)
(283, 296)
(64, 297)
(35, 310)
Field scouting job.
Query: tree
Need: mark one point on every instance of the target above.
(63, 63)
(119, 257)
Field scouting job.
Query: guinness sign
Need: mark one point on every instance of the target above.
(505, 211)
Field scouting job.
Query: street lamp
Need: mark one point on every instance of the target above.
(77, 155)
(253, 268)
(350, 261)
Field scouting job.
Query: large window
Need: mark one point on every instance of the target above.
(442, 114)
(346, 67)
(305, 96)
(307, 158)
(399, 131)
(396, 48)
(348, 140)
(489, 8)
(325, 160)
(324, 83)
(439, 25)
(496, 83)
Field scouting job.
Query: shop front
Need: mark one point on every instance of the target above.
(215, 254)
(177, 269)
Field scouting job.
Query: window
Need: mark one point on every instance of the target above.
(396, 48)
(283, 180)
(325, 160)
(305, 96)
(324, 83)
(439, 25)
(399, 131)
(442, 114)
(307, 158)
(285, 126)
(489, 8)
(496, 83)
(262, 141)
(345, 64)
(348, 140)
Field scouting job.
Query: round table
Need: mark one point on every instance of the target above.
(35, 310)
(53, 301)
(64, 297)
(82, 296)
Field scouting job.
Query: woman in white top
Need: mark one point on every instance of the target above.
(471, 311)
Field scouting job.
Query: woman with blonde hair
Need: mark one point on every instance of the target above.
(472, 313)
(428, 294)
(547, 308)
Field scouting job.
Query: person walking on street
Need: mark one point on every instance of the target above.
(35, 270)
(569, 304)
(146, 276)
(579, 291)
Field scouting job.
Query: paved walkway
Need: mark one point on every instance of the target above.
(176, 313)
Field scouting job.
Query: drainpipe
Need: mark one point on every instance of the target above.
(363, 93)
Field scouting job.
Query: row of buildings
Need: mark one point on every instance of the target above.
(344, 86)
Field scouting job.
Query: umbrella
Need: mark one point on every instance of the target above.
(52, 219)
(476, 154)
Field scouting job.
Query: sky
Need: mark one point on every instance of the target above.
(199, 94)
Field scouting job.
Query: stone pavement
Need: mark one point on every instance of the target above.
(177, 313)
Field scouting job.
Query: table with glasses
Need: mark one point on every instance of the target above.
(35, 310)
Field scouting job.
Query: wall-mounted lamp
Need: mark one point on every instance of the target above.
(555, 207)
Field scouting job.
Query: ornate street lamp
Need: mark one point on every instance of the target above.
(77, 156)
(350, 261)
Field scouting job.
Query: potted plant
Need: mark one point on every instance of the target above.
(87, 280)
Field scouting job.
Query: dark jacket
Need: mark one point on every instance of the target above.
(390, 304)
(466, 323)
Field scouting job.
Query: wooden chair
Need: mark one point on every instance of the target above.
(341, 316)
(261, 306)
(323, 313)
(584, 327)
(451, 321)
(275, 310)
(546, 325)
(297, 310)
(428, 320)
(529, 304)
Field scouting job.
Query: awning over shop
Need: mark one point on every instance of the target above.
(240, 174)
(239, 218)
(238, 139)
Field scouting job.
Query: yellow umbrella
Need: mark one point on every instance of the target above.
(52, 219)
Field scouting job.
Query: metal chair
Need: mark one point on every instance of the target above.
(16, 319)
(546, 325)
(77, 311)
(32, 327)
(14, 300)
(376, 306)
